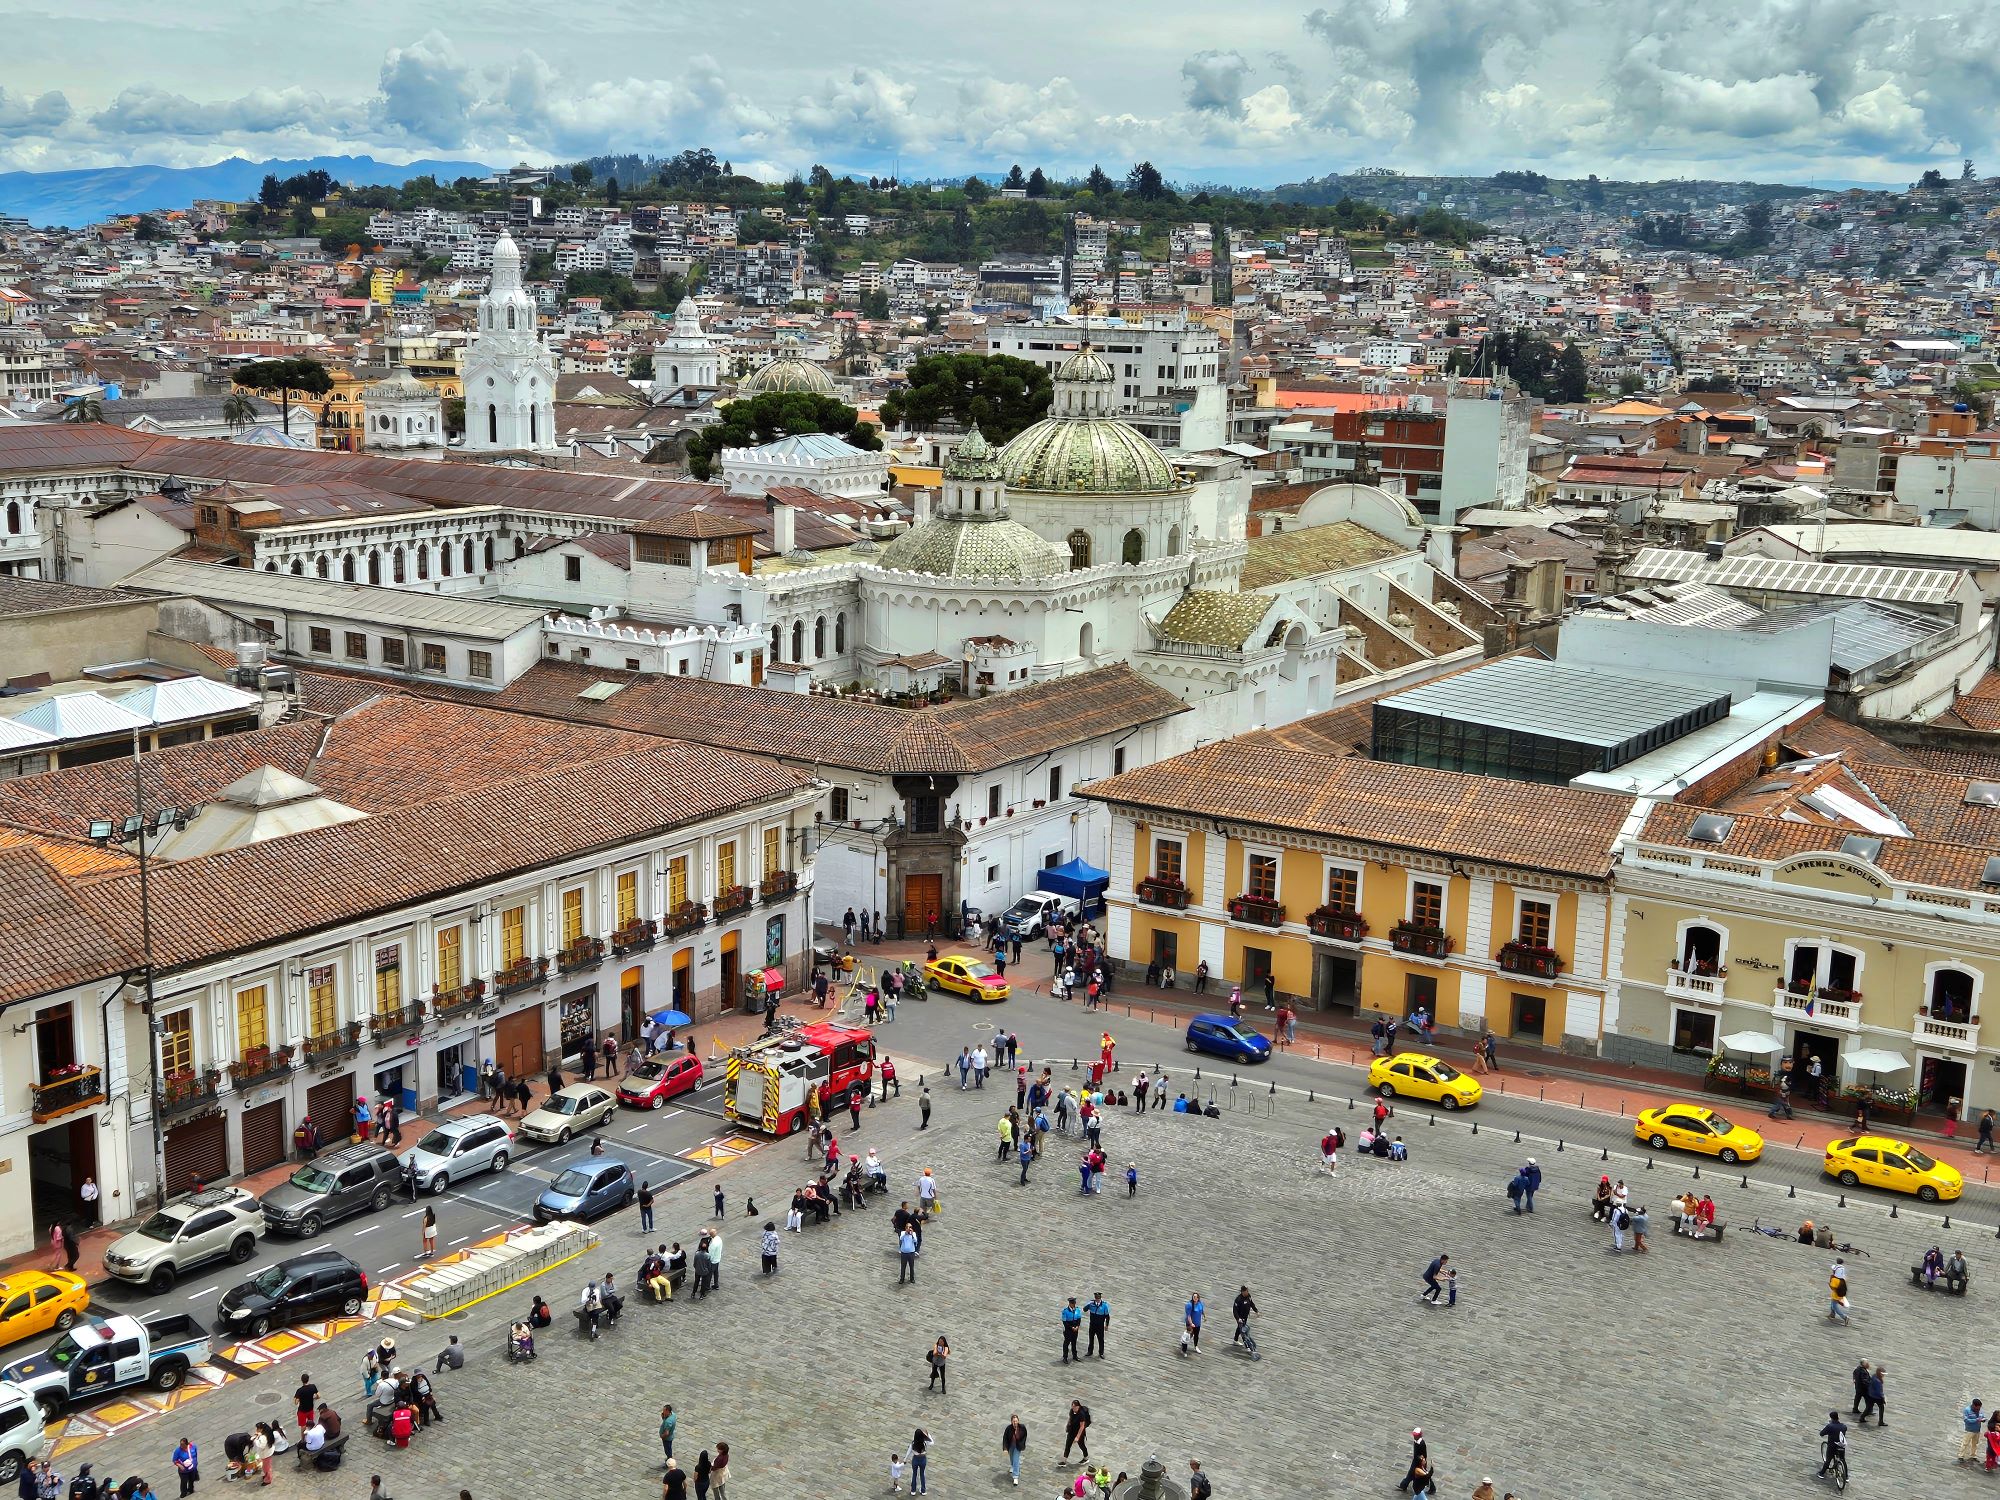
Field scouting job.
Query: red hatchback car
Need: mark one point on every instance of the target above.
(654, 1081)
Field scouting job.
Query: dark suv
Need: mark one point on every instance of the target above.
(331, 1187)
(318, 1284)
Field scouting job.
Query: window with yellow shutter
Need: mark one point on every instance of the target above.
(628, 898)
(572, 915)
(774, 845)
(388, 979)
(322, 1006)
(677, 881)
(450, 967)
(177, 1043)
(253, 1021)
(725, 867)
(513, 935)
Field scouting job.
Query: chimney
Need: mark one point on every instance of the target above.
(783, 532)
(922, 504)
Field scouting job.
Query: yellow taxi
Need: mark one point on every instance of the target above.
(33, 1302)
(1689, 1127)
(965, 975)
(1418, 1075)
(1884, 1162)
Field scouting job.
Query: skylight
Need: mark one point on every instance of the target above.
(597, 692)
(1861, 846)
(1982, 794)
(1711, 828)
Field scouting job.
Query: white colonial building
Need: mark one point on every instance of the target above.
(510, 376)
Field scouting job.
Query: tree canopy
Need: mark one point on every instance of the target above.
(1534, 364)
(776, 414)
(298, 374)
(999, 392)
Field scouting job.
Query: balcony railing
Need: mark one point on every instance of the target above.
(67, 1089)
(1259, 910)
(635, 937)
(689, 916)
(1961, 1035)
(1419, 942)
(182, 1092)
(523, 973)
(584, 953)
(1692, 986)
(338, 1042)
(1803, 1005)
(459, 998)
(732, 901)
(399, 1021)
(258, 1064)
(1337, 923)
(1530, 959)
(1159, 890)
(782, 885)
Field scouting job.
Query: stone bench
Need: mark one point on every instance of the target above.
(1940, 1285)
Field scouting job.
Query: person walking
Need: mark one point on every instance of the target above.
(1099, 1313)
(920, 1462)
(939, 1356)
(1973, 1416)
(1640, 1222)
(1076, 1431)
(1420, 1457)
(768, 1247)
(1241, 1309)
(1026, 1151)
(1877, 1402)
(1072, 1325)
(924, 1109)
(1192, 1312)
(964, 1068)
(855, 1096)
(430, 1234)
(1621, 1220)
(187, 1462)
(1836, 1286)
(1014, 1442)
(703, 1466)
(1859, 1375)
(1985, 1142)
(72, 1245)
(1531, 1179)
(1434, 1287)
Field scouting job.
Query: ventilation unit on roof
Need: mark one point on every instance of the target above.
(1982, 794)
(1861, 846)
(597, 692)
(1711, 828)
(1991, 874)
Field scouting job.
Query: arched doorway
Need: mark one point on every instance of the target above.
(632, 1003)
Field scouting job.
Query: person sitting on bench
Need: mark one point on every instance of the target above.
(1955, 1273)
(653, 1277)
(1932, 1267)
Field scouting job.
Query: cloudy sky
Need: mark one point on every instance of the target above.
(1253, 91)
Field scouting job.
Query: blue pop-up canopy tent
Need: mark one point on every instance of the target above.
(1078, 878)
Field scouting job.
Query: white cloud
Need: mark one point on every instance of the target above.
(869, 111)
(24, 114)
(154, 111)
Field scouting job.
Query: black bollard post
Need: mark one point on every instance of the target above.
(1649, 1164)
(1792, 1192)
(1746, 1179)
(1605, 1154)
(1559, 1145)
(1697, 1172)
(1434, 1120)
(1517, 1137)
(1947, 1221)
(1892, 1210)
(1274, 1091)
(1475, 1127)
(1843, 1201)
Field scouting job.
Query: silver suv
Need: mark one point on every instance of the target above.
(458, 1149)
(187, 1232)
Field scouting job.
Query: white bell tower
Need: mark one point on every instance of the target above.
(510, 378)
(686, 357)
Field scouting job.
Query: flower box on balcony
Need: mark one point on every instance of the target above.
(1838, 995)
(689, 916)
(460, 997)
(258, 1064)
(65, 1089)
(634, 937)
(728, 903)
(780, 886)
(520, 975)
(1530, 959)
(1261, 910)
(1338, 923)
(584, 953)
(398, 1022)
(1158, 890)
(1423, 942)
(335, 1043)
(186, 1090)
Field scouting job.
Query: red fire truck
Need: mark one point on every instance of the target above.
(767, 1081)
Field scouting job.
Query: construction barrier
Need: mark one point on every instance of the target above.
(451, 1286)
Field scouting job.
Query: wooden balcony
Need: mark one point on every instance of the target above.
(635, 937)
(689, 916)
(462, 997)
(398, 1022)
(522, 974)
(329, 1046)
(584, 953)
(66, 1090)
(183, 1093)
(1419, 942)
(1337, 924)
(1157, 890)
(259, 1064)
(1529, 959)
(1258, 911)
(779, 886)
(732, 902)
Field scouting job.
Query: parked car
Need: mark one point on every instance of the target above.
(331, 1187)
(110, 1354)
(458, 1149)
(186, 1232)
(1223, 1037)
(33, 1302)
(1031, 915)
(22, 1432)
(597, 1185)
(568, 1110)
(655, 1080)
(318, 1284)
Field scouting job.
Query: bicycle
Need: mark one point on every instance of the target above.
(1834, 1468)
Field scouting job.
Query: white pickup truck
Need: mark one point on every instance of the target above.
(110, 1354)
(1030, 916)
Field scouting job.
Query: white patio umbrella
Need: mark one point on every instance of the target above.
(1877, 1060)
(1760, 1043)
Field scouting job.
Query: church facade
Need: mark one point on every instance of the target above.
(510, 375)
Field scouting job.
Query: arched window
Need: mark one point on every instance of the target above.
(1135, 546)
(375, 567)
(444, 559)
(298, 567)
(510, 317)
(468, 554)
(840, 633)
(13, 518)
(1174, 541)
(423, 562)
(396, 565)
(321, 564)
(271, 567)
(1079, 549)
(534, 426)
(489, 554)
(819, 639)
(1952, 994)
(1086, 641)
(673, 374)
(798, 640)
(347, 568)
(492, 424)
(777, 643)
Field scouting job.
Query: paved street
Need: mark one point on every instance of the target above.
(1564, 1366)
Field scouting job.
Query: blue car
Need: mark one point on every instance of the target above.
(1223, 1037)
(596, 1185)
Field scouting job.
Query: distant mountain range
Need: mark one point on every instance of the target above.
(82, 197)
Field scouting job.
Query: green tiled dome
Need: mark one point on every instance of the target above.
(975, 545)
(788, 372)
(1085, 455)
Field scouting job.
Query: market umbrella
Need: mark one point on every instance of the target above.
(670, 1018)
(1877, 1060)
(1761, 1043)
